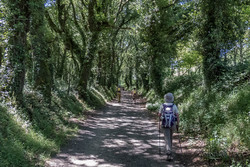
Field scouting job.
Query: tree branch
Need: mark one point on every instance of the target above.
(76, 23)
(52, 24)
(120, 9)
(83, 3)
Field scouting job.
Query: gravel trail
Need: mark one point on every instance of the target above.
(118, 135)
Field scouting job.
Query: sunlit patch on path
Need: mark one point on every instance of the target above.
(119, 135)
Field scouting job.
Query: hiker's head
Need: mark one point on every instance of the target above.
(169, 98)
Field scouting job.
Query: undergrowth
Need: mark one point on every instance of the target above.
(220, 117)
(27, 143)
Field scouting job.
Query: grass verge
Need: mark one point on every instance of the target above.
(27, 143)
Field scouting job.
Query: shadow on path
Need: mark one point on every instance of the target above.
(119, 135)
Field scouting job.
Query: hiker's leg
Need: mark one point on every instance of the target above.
(119, 97)
(171, 139)
(167, 137)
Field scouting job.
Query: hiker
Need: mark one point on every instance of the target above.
(169, 115)
(134, 95)
(119, 94)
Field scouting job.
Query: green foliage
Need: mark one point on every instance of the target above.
(106, 93)
(153, 107)
(234, 77)
(221, 117)
(215, 150)
(239, 164)
(219, 31)
(95, 99)
(153, 101)
(138, 44)
(182, 85)
(29, 143)
(151, 96)
(68, 102)
(21, 146)
(237, 109)
(26, 143)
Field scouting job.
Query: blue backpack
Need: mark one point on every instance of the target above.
(167, 116)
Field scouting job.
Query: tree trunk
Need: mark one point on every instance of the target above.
(241, 51)
(234, 56)
(211, 50)
(91, 50)
(1, 56)
(61, 64)
(18, 42)
(145, 81)
(100, 68)
(41, 52)
(87, 65)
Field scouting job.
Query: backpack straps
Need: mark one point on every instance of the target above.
(165, 106)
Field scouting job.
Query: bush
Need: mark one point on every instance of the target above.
(218, 116)
(21, 146)
(108, 94)
(152, 97)
(153, 107)
(237, 108)
(239, 164)
(182, 85)
(28, 143)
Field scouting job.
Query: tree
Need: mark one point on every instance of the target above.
(219, 29)
(165, 24)
(18, 21)
(1, 55)
(40, 49)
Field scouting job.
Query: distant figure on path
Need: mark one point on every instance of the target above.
(134, 93)
(119, 94)
(169, 116)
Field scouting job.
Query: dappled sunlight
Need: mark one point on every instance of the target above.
(133, 108)
(114, 143)
(91, 161)
(88, 132)
(154, 142)
(117, 135)
(114, 104)
(140, 144)
(84, 162)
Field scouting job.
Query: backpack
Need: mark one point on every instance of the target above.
(168, 117)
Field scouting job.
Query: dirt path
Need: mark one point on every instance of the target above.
(119, 135)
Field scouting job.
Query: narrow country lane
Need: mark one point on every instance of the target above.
(119, 135)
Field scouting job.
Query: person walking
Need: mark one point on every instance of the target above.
(119, 94)
(134, 93)
(169, 115)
